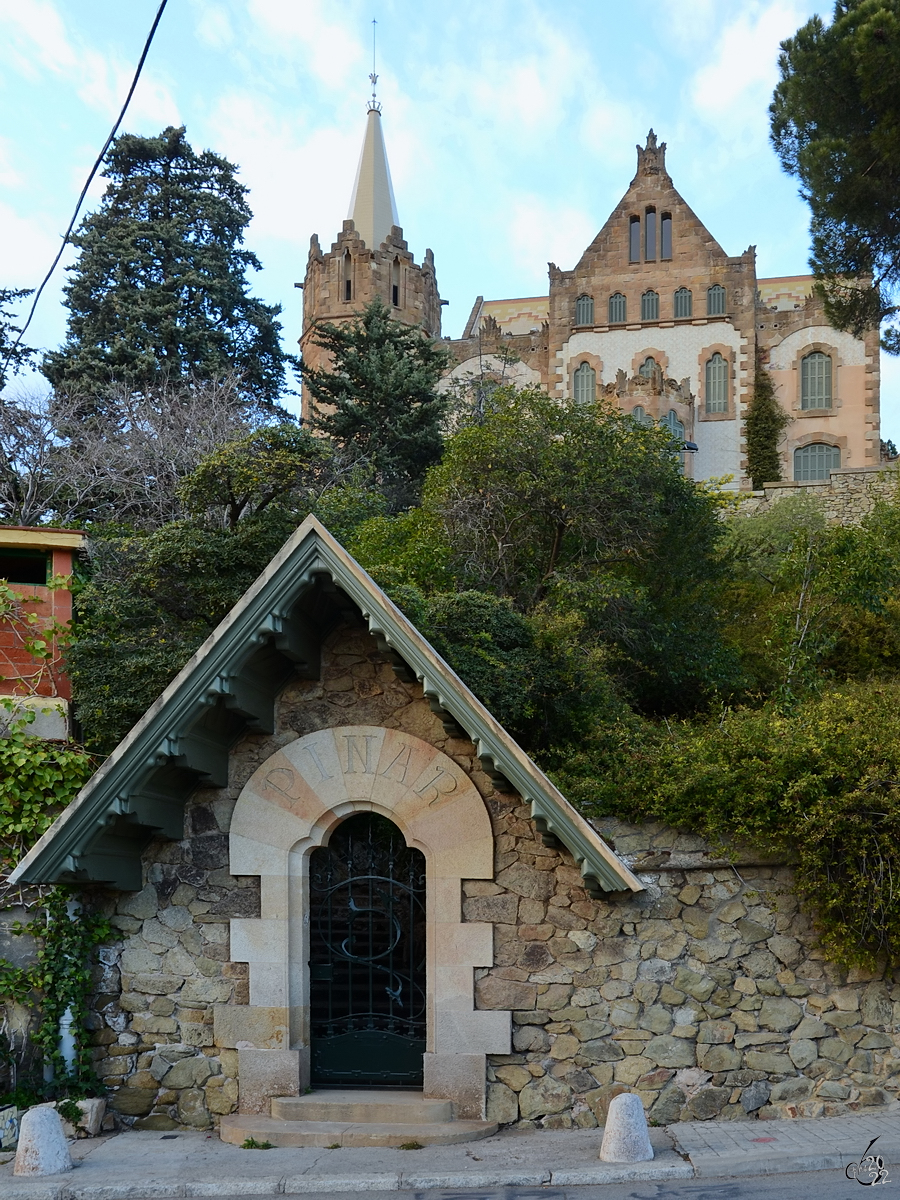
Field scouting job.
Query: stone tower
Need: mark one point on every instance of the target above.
(370, 258)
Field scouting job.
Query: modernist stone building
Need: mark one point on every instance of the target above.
(655, 292)
(328, 866)
(653, 297)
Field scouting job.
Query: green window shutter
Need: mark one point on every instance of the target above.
(648, 366)
(585, 378)
(815, 462)
(815, 380)
(715, 301)
(617, 309)
(584, 310)
(650, 306)
(717, 384)
(684, 303)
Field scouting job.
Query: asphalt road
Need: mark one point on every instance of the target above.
(810, 1185)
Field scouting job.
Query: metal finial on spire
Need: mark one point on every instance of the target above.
(374, 105)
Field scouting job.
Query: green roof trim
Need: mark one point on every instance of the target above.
(231, 685)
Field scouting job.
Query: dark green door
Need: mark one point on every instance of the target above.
(367, 957)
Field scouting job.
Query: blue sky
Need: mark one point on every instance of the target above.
(510, 126)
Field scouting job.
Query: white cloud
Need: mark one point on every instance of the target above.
(541, 232)
(27, 247)
(331, 50)
(38, 41)
(298, 184)
(732, 90)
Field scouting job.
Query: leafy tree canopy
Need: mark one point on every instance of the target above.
(12, 357)
(160, 290)
(245, 476)
(378, 402)
(578, 509)
(835, 121)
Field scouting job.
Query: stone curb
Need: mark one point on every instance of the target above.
(64, 1188)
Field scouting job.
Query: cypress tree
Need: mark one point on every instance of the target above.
(764, 423)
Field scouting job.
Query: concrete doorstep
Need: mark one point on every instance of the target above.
(145, 1165)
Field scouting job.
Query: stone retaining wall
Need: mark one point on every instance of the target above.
(846, 497)
(703, 994)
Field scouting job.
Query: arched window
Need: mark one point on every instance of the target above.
(395, 283)
(639, 414)
(684, 302)
(650, 234)
(585, 378)
(348, 275)
(617, 309)
(716, 384)
(634, 239)
(648, 366)
(715, 301)
(665, 235)
(815, 461)
(815, 380)
(671, 422)
(584, 310)
(650, 306)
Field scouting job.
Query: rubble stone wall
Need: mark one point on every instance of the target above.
(704, 994)
(847, 496)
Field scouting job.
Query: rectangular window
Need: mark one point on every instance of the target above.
(665, 231)
(650, 234)
(634, 240)
(395, 295)
(24, 566)
(347, 286)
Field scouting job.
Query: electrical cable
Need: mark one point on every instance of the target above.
(90, 179)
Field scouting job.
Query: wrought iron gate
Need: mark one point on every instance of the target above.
(367, 957)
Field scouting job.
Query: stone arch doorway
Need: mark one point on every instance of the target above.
(291, 806)
(367, 957)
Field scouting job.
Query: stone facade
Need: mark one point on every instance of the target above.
(340, 282)
(778, 321)
(703, 993)
(846, 497)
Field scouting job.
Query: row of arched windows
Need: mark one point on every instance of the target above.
(650, 247)
(683, 304)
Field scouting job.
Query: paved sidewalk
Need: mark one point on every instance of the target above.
(145, 1165)
(728, 1148)
(135, 1166)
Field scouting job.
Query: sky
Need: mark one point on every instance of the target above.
(510, 127)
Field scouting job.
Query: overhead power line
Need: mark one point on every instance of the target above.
(87, 183)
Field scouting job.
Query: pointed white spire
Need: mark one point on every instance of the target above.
(372, 206)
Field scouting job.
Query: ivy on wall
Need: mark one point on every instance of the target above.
(37, 780)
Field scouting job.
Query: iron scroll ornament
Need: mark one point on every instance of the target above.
(367, 956)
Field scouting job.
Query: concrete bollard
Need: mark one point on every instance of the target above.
(625, 1136)
(43, 1149)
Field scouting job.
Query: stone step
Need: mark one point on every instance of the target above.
(330, 1134)
(357, 1105)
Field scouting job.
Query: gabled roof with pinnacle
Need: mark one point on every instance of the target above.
(652, 184)
(230, 686)
(373, 209)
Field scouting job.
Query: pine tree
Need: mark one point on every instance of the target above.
(12, 357)
(379, 403)
(764, 423)
(159, 291)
